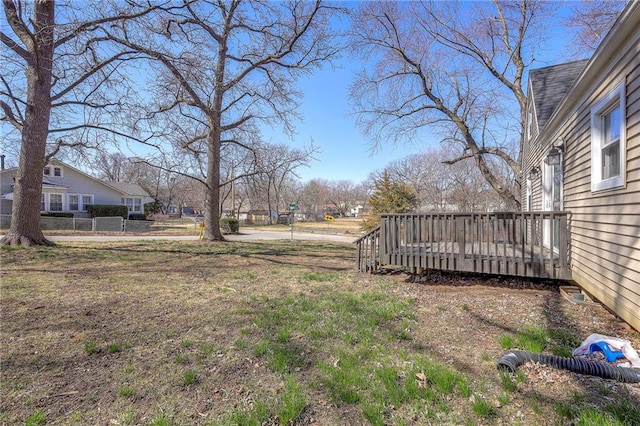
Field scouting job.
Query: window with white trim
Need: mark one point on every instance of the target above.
(55, 171)
(608, 142)
(79, 202)
(74, 202)
(530, 122)
(529, 195)
(55, 202)
(133, 204)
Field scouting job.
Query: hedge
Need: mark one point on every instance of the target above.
(107, 210)
(56, 214)
(230, 224)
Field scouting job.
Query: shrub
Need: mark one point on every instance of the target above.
(138, 216)
(230, 224)
(152, 208)
(57, 214)
(107, 210)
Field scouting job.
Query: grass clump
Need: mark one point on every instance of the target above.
(533, 339)
(320, 276)
(506, 341)
(189, 377)
(293, 401)
(287, 408)
(206, 349)
(258, 415)
(618, 412)
(91, 348)
(36, 418)
(483, 408)
(126, 391)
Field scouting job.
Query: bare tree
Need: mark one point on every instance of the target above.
(427, 175)
(313, 197)
(441, 67)
(590, 21)
(342, 196)
(441, 187)
(276, 167)
(56, 91)
(229, 66)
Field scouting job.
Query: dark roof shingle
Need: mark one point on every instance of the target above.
(550, 85)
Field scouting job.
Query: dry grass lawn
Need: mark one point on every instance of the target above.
(267, 333)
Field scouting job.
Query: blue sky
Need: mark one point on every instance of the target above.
(345, 151)
(346, 154)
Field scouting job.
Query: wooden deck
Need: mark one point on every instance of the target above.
(505, 243)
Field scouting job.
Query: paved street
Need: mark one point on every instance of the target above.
(247, 234)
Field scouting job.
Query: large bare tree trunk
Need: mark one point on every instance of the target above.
(25, 227)
(212, 208)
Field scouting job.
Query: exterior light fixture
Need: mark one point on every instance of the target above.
(534, 172)
(554, 156)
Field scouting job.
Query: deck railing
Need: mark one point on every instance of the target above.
(533, 244)
(368, 251)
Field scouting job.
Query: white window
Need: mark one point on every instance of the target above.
(55, 202)
(55, 171)
(74, 202)
(133, 204)
(79, 202)
(608, 142)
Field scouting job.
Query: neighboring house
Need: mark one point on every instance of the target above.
(66, 189)
(582, 155)
(356, 211)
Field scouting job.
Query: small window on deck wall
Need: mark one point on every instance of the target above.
(608, 143)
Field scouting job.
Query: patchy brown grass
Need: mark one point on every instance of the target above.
(264, 333)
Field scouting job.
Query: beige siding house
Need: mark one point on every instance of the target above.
(582, 155)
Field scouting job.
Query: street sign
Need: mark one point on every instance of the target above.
(293, 206)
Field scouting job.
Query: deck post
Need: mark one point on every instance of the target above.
(460, 237)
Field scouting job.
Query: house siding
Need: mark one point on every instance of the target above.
(81, 184)
(605, 225)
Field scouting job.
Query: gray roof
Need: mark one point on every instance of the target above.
(128, 188)
(549, 85)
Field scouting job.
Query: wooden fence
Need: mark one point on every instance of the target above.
(532, 244)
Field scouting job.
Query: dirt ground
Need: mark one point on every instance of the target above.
(494, 306)
(152, 298)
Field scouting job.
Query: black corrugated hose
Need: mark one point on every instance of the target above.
(513, 359)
